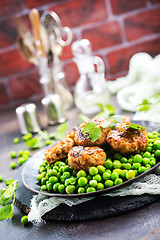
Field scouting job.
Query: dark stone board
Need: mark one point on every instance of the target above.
(99, 207)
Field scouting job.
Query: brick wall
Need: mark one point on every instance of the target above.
(117, 29)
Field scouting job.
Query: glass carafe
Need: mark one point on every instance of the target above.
(91, 87)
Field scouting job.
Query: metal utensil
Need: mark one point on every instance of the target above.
(28, 118)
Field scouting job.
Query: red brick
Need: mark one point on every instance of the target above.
(105, 35)
(8, 33)
(3, 94)
(143, 24)
(25, 86)
(67, 52)
(71, 72)
(122, 6)
(34, 3)
(10, 6)
(119, 59)
(155, 1)
(75, 13)
(12, 62)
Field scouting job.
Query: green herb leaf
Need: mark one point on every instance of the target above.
(59, 136)
(9, 181)
(144, 102)
(89, 126)
(105, 124)
(112, 125)
(44, 135)
(94, 134)
(83, 118)
(62, 127)
(144, 108)
(110, 108)
(106, 111)
(102, 107)
(6, 212)
(117, 118)
(135, 126)
(7, 195)
(34, 143)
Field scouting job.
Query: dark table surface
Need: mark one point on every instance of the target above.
(143, 223)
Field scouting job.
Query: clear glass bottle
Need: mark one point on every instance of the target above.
(91, 87)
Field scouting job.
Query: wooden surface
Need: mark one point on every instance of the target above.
(143, 224)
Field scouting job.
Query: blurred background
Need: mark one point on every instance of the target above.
(117, 29)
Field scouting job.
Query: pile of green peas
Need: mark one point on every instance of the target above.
(61, 178)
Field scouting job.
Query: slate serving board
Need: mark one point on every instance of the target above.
(99, 207)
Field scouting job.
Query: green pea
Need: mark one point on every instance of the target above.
(43, 187)
(136, 165)
(89, 177)
(62, 179)
(116, 164)
(70, 189)
(137, 158)
(130, 174)
(123, 173)
(114, 176)
(97, 177)
(146, 155)
(108, 183)
(108, 164)
(118, 181)
(52, 172)
(145, 161)
(53, 179)
(73, 180)
(106, 175)
(42, 169)
(67, 169)
(93, 171)
(81, 190)
(13, 154)
(16, 140)
(149, 149)
(150, 135)
(74, 172)
(123, 160)
(56, 186)
(101, 169)
(61, 188)
(152, 162)
(100, 186)
(136, 172)
(157, 154)
(27, 136)
(20, 153)
(93, 183)
(81, 173)
(127, 166)
(49, 187)
(142, 169)
(90, 189)
(1, 178)
(27, 152)
(24, 220)
(48, 142)
(66, 175)
(56, 168)
(58, 174)
(13, 165)
(108, 170)
(66, 183)
(43, 181)
(156, 145)
(148, 166)
(130, 160)
(66, 161)
(118, 171)
(82, 181)
(123, 165)
(117, 156)
(39, 177)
